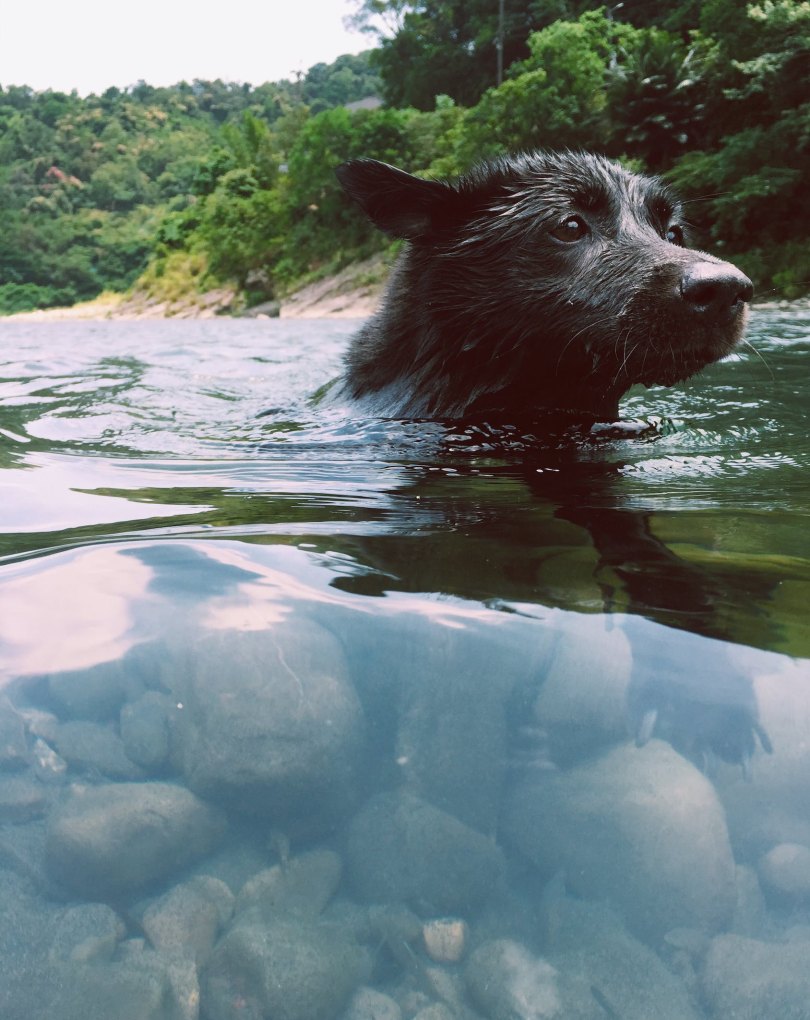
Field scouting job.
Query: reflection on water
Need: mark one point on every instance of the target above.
(311, 718)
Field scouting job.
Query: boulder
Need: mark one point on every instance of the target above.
(402, 849)
(186, 920)
(95, 748)
(145, 730)
(113, 840)
(508, 982)
(269, 723)
(286, 970)
(785, 873)
(639, 827)
(302, 887)
(752, 980)
(589, 945)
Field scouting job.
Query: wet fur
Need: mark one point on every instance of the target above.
(490, 314)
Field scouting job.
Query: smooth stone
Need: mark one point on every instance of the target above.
(284, 970)
(186, 920)
(21, 799)
(96, 693)
(774, 808)
(785, 871)
(88, 933)
(752, 980)
(302, 887)
(13, 744)
(402, 849)
(136, 989)
(583, 697)
(640, 828)
(505, 980)
(589, 944)
(116, 839)
(270, 723)
(144, 727)
(95, 748)
(436, 1011)
(369, 1004)
(445, 939)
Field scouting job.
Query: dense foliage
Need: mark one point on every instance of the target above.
(207, 183)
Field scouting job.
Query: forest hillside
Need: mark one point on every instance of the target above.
(202, 185)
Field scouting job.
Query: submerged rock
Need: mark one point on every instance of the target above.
(302, 887)
(507, 982)
(639, 827)
(91, 747)
(145, 730)
(270, 724)
(785, 872)
(752, 980)
(13, 745)
(186, 920)
(114, 840)
(590, 946)
(285, 970)
(400, 848)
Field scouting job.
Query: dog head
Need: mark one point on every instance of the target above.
(539, 282)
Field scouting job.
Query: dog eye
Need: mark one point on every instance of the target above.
(674, 235)
(571, 229)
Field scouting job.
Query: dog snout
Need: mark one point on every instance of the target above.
(715, 290)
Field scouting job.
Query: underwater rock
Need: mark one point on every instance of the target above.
(451, 742)
(116, 839)
(749, 909)
(752, 980)
(13, 745)
(21, 798)
(284, 970)
(590, 946)
(135, 989)
(95, 748)
(445, 939)
(270, 724)
(401, 848)
(785, 872)
(583, 699)
(145, 730)
(507, 982)
(186, 920)
(96, 693)
(436, 1011)
(302, 887)
(641, 828)
(774, 808)
(369, 1004)
(88, 933)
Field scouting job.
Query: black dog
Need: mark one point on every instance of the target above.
(538, 284)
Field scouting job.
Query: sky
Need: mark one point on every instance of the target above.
(89, 45)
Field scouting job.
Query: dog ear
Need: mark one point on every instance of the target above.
(395, 201)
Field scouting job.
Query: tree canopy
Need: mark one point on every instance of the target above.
(211, 182)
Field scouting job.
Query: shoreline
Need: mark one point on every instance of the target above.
(354, 293)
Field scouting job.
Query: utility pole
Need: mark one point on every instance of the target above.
(499, 41)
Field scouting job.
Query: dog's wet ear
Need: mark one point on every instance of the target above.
(397, 202)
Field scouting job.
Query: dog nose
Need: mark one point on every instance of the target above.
(717, 290)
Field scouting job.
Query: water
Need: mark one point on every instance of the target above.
(282, 689)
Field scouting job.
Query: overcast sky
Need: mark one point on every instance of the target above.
(89, 45)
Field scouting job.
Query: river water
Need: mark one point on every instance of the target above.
(310, 717)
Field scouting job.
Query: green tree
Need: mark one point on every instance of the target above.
(556, 98)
